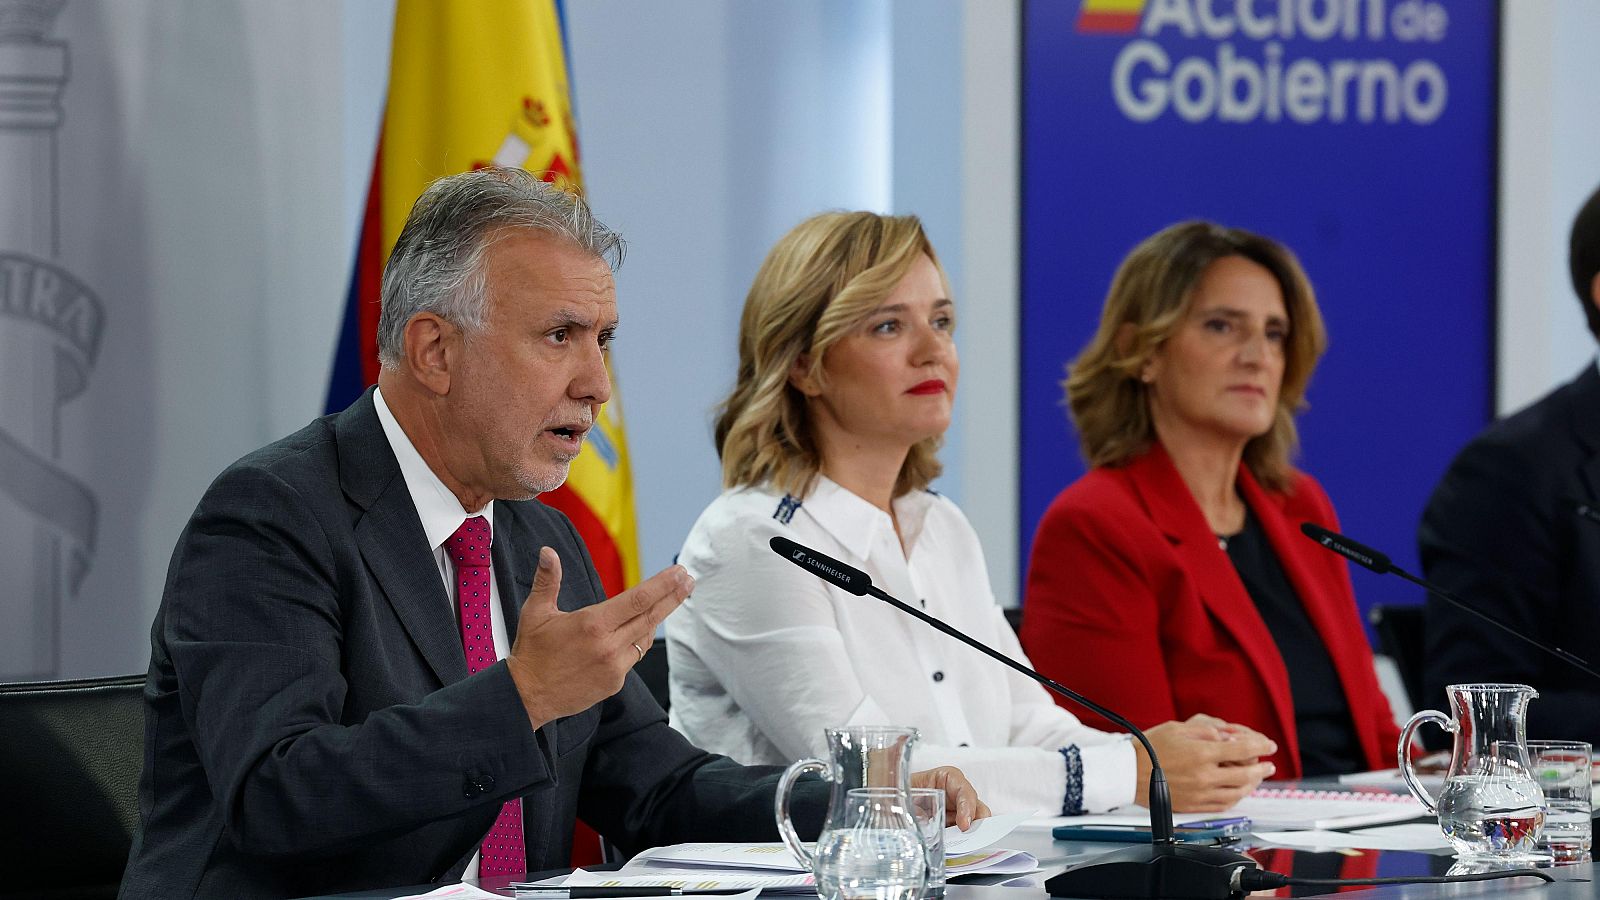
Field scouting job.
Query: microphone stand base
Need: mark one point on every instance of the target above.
(1179, 871)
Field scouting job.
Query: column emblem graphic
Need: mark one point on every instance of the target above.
(50, 330)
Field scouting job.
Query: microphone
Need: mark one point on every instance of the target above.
(1164, 868)
(1368, 558)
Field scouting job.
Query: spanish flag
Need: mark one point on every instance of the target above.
(472, 85)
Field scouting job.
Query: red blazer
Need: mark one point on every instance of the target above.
(1130, 600)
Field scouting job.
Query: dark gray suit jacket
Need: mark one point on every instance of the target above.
(311, 727)
(1502, 531)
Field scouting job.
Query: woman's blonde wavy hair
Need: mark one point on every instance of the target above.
(819, 282)
(1152, 292)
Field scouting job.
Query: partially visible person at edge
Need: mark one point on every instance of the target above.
(847, 375)
(379, 660)
(1507, 530)
(1172, 578)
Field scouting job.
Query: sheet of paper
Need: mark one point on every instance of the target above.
(995, 862)
(776, 857)
(985, 833)
(749, 894)
(696, 880)
(1421, 832)
(1340, 840)
(770, 856)
(456, 892)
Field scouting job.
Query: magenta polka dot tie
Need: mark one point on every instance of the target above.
(502, 851)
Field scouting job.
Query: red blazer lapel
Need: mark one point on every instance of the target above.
(1173, 509)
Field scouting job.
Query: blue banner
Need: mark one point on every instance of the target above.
(1359, 133)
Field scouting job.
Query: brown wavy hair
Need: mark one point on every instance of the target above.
(1152, 292)
(819, 282)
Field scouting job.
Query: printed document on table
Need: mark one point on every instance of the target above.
(966, 845)
(1276, 809)
(984, 833)
(455, 892)
(697, 879)
(1392, 837)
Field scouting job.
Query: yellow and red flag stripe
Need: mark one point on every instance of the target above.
(1109, 16)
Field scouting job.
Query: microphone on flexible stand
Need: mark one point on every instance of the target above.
(1164, 868)
(1368, 558)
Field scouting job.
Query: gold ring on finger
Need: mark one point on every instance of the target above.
(640, 652)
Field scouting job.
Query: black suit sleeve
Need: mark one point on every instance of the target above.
(646, 785)
(1498, 533)
(252, 624)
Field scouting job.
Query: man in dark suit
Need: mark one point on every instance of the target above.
(1507, 531)
(347, 688)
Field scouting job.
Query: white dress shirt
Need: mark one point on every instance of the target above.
(441, 515)
(765, 656)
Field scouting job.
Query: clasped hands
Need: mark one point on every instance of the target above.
(1210, 764)
(565, 662)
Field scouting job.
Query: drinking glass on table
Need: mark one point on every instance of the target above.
(872, 849)
(1562, 769)
(927, 808)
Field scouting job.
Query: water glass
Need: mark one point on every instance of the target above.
(873, 851)
(1562, 768)
(927, 807)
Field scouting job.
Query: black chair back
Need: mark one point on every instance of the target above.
(1400, 637)
(70, 756)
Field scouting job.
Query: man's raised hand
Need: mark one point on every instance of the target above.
(565, 662)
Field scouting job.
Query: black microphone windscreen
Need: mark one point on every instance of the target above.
(1358, 553)
(821, 565)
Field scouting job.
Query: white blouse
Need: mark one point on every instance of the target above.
(764, 655)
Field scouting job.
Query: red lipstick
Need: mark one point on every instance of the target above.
(931, 386)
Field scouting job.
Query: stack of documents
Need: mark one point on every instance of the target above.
(773, 869)
(1280, 809)
(1288, 808)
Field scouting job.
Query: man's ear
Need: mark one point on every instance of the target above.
(801, 378)
(1594, 290)
(430, 345)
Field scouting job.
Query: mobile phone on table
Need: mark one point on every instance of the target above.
(1203, 830)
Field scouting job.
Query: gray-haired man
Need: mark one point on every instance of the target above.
(369, 667)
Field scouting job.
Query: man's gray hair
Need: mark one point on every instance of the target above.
(437, 262)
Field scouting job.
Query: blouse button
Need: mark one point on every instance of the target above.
(938, 676)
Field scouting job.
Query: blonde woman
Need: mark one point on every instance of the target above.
(847, 373)
(1181, 547)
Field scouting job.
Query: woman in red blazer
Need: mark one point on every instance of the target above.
(1172, 579)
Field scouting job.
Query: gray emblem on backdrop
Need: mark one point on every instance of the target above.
(50, 329)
